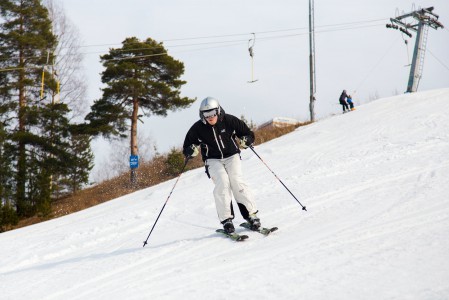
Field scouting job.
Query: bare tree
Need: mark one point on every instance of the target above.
(67, 68)
(116, 161)
(373, 97)
(395, 92)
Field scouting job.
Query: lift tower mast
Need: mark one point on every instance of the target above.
(425, 18)
(312, 60)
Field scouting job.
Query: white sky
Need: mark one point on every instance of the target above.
(365, 61)
(376, 226)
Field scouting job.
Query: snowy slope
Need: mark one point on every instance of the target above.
(375, 183)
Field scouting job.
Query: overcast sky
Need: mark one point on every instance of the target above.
(361, 56)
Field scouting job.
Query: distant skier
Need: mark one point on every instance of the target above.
(343, 102)
(350, 102)
(215, 134)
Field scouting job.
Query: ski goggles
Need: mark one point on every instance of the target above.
(209, 113)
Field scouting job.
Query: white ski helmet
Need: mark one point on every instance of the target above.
(209, 104)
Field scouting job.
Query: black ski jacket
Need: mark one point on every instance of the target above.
(343, 97)
(217, 141)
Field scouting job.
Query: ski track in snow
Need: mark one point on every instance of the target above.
(375, 183)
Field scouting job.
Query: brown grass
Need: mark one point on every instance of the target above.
(149, 174)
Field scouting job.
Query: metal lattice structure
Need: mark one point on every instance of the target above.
(422, 20)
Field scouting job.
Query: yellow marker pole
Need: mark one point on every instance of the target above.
(42, 84)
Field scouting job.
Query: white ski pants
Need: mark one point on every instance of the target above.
(227, 176)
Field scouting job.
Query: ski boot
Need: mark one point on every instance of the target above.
(253, 221)
(228, 226)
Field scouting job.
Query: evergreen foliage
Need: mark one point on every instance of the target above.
(8, 215)
(80, 164)
(36, 137)
(175, 162)
(141, 79)
(140, 75)
(25, 44)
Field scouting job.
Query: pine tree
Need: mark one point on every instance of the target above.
(8, 215)
(138, 76)
(81, 163)
(37, 141)
(26, 44)
(175, 162)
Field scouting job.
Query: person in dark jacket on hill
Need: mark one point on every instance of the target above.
(215, 134)
(343, 102)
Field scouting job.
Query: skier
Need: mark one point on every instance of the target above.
(215, 134)
(350, 102)
(343, 102)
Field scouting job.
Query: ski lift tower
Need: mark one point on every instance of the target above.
(425, 18)
(312, 60)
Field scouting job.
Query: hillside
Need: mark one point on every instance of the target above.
(375, 185)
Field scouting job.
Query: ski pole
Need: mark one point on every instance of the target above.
(185, 164)
(252, 148)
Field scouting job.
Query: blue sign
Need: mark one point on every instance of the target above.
(133, 161)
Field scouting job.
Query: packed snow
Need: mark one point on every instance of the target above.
(375, 182)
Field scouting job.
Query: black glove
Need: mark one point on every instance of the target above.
(246, 141)
(191, 151)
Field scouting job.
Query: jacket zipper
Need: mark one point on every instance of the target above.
(218, 144)
(233, 140)
(221, 141)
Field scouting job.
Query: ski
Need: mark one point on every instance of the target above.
(233, 236)
(262, 230)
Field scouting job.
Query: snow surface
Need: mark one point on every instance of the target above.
(375, 183)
